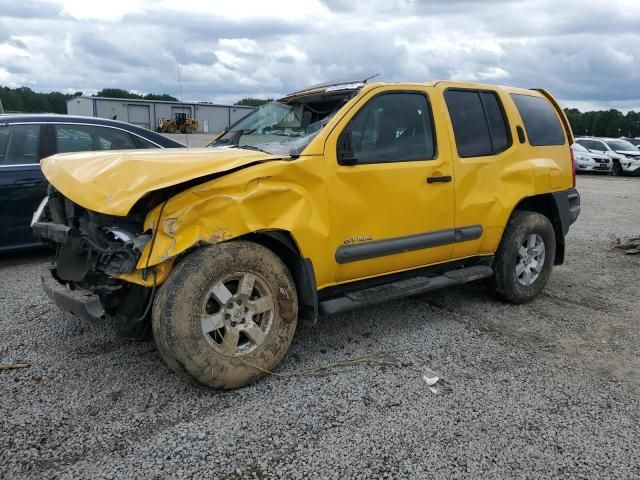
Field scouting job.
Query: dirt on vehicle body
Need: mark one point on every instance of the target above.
(334, 197)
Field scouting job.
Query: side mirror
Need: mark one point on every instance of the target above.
(345, 151)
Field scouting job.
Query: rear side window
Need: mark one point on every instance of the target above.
(142, 143)
(19, 144)
(479, 124)
(540, 120)
(82, 138)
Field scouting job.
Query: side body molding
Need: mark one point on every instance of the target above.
(392, 246)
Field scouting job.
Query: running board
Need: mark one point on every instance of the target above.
(403, 288)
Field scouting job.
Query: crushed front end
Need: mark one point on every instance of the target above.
(92, 250)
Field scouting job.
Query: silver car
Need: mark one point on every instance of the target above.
(587, 161)
(625, 157)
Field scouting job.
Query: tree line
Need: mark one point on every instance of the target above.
(604, 123)
(23, 99)
(601, 123)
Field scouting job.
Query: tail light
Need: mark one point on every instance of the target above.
(573, 167)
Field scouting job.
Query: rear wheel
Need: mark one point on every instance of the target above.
(188, 129)
(226, 315)
(525, 258)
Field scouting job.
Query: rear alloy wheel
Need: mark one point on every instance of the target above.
(531, 256)
(525, 257)
(226, 315)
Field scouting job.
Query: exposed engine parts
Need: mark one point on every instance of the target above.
(93, 242)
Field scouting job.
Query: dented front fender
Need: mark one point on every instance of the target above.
(278, 195)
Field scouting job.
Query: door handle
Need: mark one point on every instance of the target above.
(439, 179)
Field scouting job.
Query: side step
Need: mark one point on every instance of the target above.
(403, 288)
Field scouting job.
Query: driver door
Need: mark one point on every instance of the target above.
(391, 191)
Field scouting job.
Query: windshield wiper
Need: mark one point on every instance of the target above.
(251, 147)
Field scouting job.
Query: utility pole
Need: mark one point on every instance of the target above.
(1, 108)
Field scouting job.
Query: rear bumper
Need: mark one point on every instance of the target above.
(568, 205)
(82, 303)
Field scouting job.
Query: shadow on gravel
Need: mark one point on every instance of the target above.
(27, 257)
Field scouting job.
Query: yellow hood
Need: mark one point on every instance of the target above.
(112, 182)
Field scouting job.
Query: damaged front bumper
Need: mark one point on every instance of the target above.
(82, 303)
(93, 251)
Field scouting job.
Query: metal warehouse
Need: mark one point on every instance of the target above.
(149, 114)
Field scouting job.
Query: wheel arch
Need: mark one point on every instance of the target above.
(546, 204)
(283, 244)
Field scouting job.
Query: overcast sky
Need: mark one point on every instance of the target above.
(587, 52)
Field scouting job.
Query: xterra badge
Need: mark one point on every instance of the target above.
(361, 238)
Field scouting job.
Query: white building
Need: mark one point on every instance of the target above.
(150, 113)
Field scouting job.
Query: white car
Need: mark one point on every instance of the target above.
(625, 156)
(587, 161)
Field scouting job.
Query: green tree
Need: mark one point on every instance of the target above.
(117, 93)
(604, 123)
(166, 97)
(11, 100)
(253, 102)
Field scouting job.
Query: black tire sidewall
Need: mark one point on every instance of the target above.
(178, 308)
(521, 225)
(617, 168)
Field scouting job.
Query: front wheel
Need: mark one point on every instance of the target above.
(617, 168)
(525, 257)
(226, 315)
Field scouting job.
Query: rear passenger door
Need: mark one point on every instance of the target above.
(482, 146)
(22, 185)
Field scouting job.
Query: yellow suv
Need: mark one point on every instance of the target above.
(334, 197)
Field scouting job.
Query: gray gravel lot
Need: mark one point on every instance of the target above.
(550, 389)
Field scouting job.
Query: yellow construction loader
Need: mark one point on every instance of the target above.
(180, 123)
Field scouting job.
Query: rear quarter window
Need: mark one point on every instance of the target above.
(540, 120)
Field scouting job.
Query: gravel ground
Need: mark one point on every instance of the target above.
(550, 389)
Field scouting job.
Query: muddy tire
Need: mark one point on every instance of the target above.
(226, 315)
(525, 257)
(171, 129)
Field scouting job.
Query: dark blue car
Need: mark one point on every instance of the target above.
(27, 139)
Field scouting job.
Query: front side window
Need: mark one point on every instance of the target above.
(19, 144)
(479, 123)
(82, 138)
(392, 127)
(540, 120)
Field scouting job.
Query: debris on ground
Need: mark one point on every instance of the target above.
(430, 377)
(13, 366)
(630, 247)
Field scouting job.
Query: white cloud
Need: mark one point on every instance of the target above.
(582, 51)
